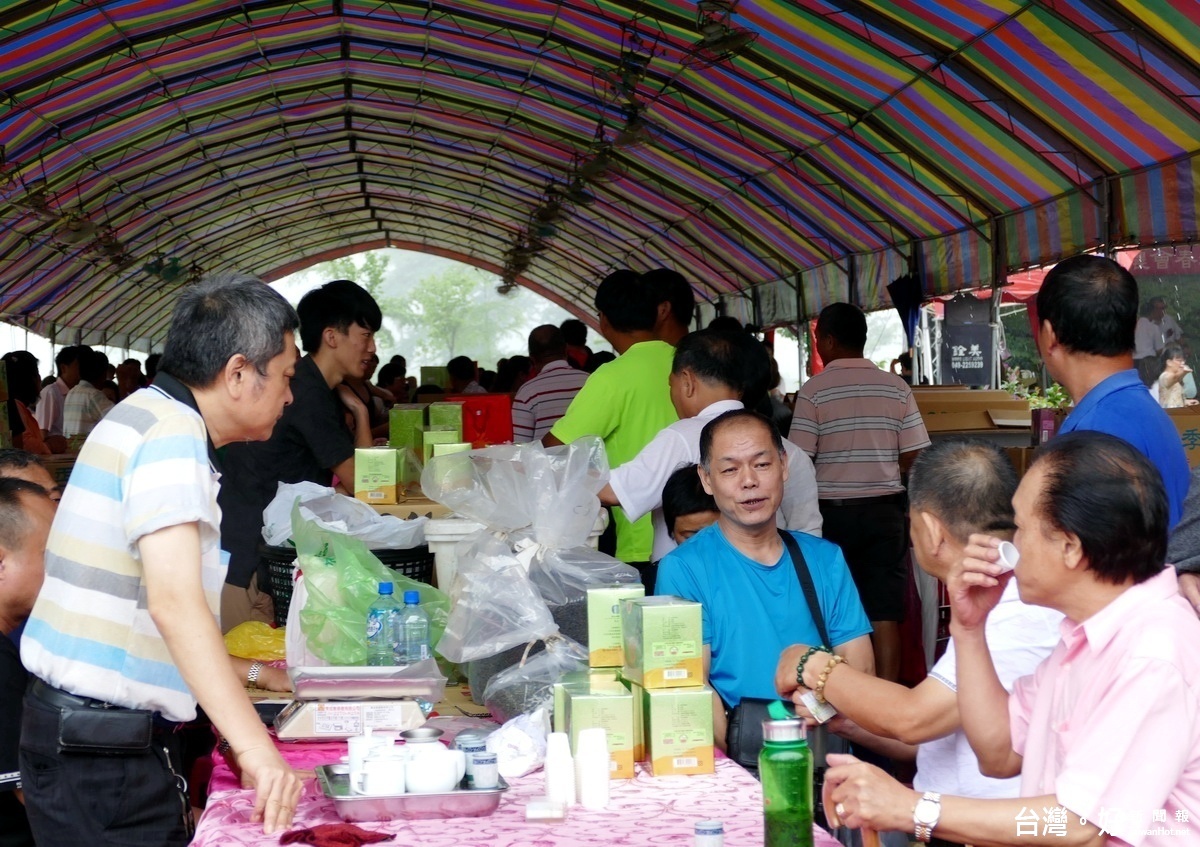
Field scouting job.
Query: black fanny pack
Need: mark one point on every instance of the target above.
(743, 729)
(89, 726)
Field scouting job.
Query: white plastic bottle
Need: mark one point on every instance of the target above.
(559, 769)
(592, 768)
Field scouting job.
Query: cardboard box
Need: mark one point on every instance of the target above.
(663, 642)
(405, 422)
(445, 414)
(679, 730)
(438, 434)
(608, 706)
(1187, 421)
(599, 678)
(1020, 458)
(639, 717)
(448, 449)
(375, 475)
(605, 648)
(437, 375)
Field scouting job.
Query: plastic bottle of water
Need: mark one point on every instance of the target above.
(414, 630)
(383, 620)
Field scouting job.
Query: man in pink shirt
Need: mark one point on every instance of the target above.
(1106, 732)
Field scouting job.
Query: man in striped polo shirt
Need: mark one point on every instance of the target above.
(544, 399)
(123, 640)
(862, 429)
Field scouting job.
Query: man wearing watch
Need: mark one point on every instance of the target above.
(1105, 733)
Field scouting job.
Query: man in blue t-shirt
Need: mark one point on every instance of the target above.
(1087, 311)
(740, 570)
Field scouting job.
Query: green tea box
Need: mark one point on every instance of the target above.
(599, 678)
(437, 434)
(605, 648)
(663, 642)
(679, 730)
(405, 422)
(605, 706)
(447, 414)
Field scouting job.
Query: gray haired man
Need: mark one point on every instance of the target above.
(123, 641)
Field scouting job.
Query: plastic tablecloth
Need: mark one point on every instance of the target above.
(645, 810)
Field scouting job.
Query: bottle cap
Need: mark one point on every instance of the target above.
(790, 730)
(385, 588)
(412, 596)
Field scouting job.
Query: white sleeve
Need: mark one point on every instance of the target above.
(639, 482)
(799, 510)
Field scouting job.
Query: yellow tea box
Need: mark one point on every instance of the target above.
(679, 730)
(375, 475)
(605, 649)
(591, 678)
(606, 706)
(663, 642)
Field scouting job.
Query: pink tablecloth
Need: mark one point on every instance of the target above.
(645, 810)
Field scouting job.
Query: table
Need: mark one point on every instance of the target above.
(642, 811)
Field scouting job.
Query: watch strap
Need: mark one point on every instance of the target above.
(253, 674)
(923, 830)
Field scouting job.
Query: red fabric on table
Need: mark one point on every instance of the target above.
(334, 835)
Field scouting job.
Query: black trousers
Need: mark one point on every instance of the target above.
(83, 798)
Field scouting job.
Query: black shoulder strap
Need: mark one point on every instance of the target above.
(806, 584)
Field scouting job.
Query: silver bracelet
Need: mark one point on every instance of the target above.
(253, 673)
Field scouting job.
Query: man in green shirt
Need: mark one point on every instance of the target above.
(627, 401)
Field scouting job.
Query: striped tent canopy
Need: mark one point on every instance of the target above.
(780, 154)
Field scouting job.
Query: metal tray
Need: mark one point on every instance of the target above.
(354, 683)
(461, 803)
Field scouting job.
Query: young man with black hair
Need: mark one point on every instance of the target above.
(85, 403)
(1087, 313)
(862, 429)
(575, 334)
(627, 401)
(687, 508)
(49, 411)
(1105, 733)
(676, 303)
(311, 442)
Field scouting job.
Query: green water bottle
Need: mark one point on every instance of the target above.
(785, 765)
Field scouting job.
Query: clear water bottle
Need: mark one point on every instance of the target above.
(414, 630)
(785, 765)
(383, 620)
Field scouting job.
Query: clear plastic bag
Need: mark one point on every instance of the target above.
(495, 605)
(564, 576)
(342, 580)
(338, 513)
(524, 688)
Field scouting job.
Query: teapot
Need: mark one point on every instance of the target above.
(431, 767)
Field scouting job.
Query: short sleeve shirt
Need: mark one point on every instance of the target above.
(308, 442)
(542, 400)
(751, 611)
(626, 402)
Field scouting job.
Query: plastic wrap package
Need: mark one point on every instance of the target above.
(520, 745)
(495, 605)
(341, 578)
(255, 640)
(338, 513)
(524, 688)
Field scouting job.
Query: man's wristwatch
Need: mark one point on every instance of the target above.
(252, 676)
(926, 814)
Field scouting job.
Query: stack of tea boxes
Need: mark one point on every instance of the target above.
(645, 684)
(417, 432)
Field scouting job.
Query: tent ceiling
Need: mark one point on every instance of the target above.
(852, 141)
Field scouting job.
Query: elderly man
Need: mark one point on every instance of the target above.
(741, 570)
(544, 398)
(956, 488)
(123, 640)
(25, 515)
(24, 465)
(1105, 733)
(709, 376)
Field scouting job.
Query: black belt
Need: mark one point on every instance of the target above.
(60, 699)
(898, 497)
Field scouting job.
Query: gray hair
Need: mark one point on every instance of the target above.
(967, 483)
(222, 316)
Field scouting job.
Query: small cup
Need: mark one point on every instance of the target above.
(483, 770)
(1009, 555)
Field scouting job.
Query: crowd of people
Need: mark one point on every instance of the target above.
(1069, 692)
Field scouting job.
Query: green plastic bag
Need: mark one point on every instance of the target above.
(342, 577)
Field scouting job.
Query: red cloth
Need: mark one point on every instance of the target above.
(334, 835)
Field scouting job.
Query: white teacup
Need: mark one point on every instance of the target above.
(381, 776)
(360, 747)
(436, 774)
(1009, 555)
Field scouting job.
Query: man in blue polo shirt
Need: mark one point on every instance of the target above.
(1087, 309)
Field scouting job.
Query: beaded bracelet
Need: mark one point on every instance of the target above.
(804, 661)
(821, 680)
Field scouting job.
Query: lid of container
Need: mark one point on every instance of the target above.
(385, 588)
(412, 596)
(789, 730)
(710, 827)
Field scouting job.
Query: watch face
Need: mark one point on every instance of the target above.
(926, 811)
